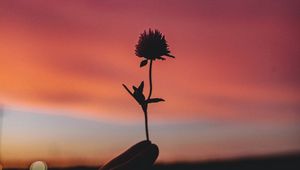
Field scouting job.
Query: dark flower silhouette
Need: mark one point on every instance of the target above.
(152, 45)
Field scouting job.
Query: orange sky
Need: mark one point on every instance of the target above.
(235, 60)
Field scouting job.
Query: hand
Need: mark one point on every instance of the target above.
(140, 156)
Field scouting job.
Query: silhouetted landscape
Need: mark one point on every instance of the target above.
(278, 162)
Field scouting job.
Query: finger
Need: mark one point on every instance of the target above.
(127, 155)
(143, 160)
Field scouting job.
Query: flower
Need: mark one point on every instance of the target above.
(152, 45)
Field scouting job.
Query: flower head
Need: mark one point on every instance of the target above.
(152, 45)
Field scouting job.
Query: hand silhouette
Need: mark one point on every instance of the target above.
(140, 156)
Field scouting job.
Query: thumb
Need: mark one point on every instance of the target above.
(143, 160)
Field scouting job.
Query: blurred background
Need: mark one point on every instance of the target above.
(231, 92)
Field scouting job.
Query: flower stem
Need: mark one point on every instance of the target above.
(150, 79)
(146, 124)
(149, 96)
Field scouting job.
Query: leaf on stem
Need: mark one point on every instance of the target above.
(143, 63)
(127, 89)
(137, 94)
(155, 100)
(134, 88)
(141, 87)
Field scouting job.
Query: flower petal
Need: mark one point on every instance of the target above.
(169, 55)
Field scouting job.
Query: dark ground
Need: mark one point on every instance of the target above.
(283, 162)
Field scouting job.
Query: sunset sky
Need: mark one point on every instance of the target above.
(233, 89)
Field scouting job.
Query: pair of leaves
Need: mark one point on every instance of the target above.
(138, 95)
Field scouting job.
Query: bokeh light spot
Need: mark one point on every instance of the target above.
(38, 165)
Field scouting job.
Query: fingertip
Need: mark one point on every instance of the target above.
(155, 149)
(153, 152)
(143, 160)
(145, 142)
(129, 154)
